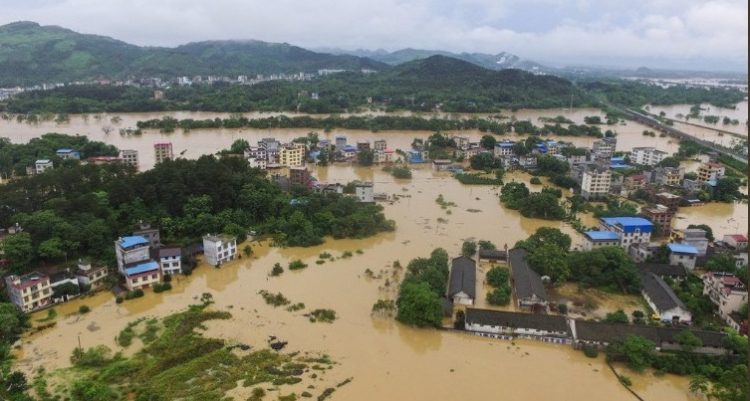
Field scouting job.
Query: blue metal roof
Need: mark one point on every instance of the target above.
(142, 268)
(601, 235)
(350, 148)
(630, 224)
(505, 144)
(619, 166)
(45, 161)
(133, 240)
(64, 150)
(617, 160)
(683, 248)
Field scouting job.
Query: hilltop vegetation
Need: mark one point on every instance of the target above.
(422, 85)
(30, 53)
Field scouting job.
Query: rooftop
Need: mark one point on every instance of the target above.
(683, 248)
(170, 252)
(663, 269)
(132, 241)
(537, 321)
(141, 267)
(526, 281)
(660, 293)
(493, 254)
(463, 277)
(668, 195)
(219, 237)
(601, 235)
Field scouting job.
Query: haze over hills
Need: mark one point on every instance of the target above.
(500, 61)
(30, 53)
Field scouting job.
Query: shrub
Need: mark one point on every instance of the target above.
(134, 294)
(535, 181)
(119, 299)
(590, 351)
(296, 265)
(499, 296)
(161, 287)
(323, 315)
(277, 270)
(498, 276)
(83, 309)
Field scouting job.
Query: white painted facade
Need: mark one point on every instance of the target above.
(219, 249)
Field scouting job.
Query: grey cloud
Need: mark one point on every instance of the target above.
(669, 32)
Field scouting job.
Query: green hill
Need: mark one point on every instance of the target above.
(429, 84)
(30, 53)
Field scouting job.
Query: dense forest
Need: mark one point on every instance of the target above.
(33, 54)
(437, 83)
(78, 210)
(637, 94)
(422, 85)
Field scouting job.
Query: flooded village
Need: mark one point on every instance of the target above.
(529, 347)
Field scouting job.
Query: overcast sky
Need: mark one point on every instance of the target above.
(685, 34)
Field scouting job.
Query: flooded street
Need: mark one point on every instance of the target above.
(387, 360)
(206, 141)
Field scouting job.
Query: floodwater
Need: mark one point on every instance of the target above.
(387, 360)
(679, 111)
(199, 142)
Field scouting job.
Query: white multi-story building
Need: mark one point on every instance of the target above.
(384, 156)
(597, 239)
(630, 230)
(380, 144)
(131, 249)
(256, 162)
(364, 192)
(42, 165)
(647, 156)
(91, 277)
(129, 157)
(504, 148)
(170, 260)
(134, 262)
(605, 147)
(595, 183)
(219, 249)
(256, 152)
(29, 292)
(142, 274)
(726, 291)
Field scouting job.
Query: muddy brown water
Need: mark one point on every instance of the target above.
(738, 113)
(198, 142)
(386, 359)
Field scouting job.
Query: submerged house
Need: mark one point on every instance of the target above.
(526, 325)
(663, 300)
(463, 281)
(527, 284)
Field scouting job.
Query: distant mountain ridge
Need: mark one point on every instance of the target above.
(500, 61)
(31, 53)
